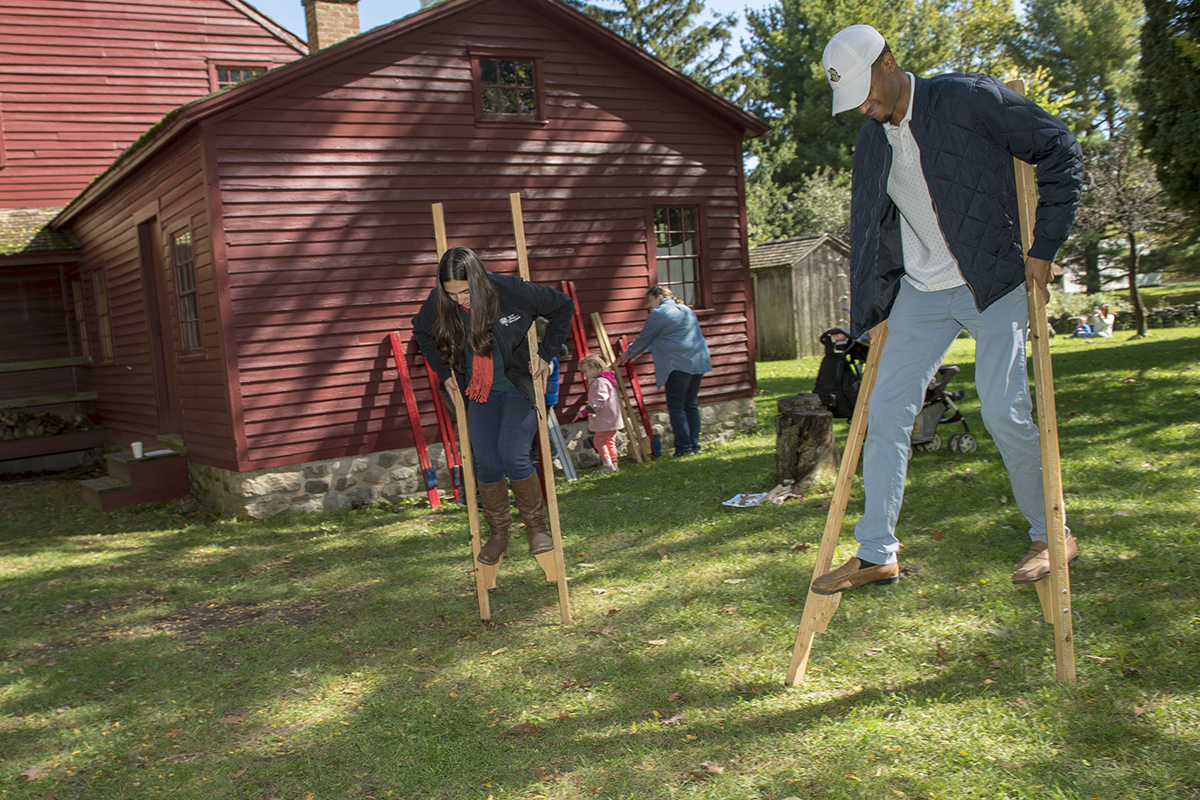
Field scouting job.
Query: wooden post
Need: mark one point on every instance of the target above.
(485, 574)
(1056, 604)
(819, 608)
(552, 563)
(638, 443)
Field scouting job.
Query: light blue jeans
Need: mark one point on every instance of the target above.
(921, 328)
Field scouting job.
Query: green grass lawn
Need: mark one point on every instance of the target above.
(161, 652)
(1169, 294)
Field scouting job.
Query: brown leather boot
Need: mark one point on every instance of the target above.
(499, 520)
(528, 494)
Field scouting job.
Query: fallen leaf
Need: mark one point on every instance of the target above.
(937, 535)
(729, 608)
(801, 546)
(1122, 513)
(33, 774)
(526, 727)
(1101, 659)
(674, 697)
(498, 652)
(599, 591)
(608, 612)
(687, 601)
(601, 631)
(942, 655)
(713, 767)
(548, 777)
(662, 552)
(735, 580)
(657, 641)
(873, 651)
(671, 720)
(234, 716)
(1137, 710)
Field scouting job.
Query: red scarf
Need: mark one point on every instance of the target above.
(481, 376)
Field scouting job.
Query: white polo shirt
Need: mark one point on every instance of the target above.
(928, 263)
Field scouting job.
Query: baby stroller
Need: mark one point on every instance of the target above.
(840, 374)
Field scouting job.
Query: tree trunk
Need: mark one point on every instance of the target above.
(1139, 313)
(804, 445)
(1093, 282)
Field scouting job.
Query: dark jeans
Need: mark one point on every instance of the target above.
(683, 390)
(501, 430)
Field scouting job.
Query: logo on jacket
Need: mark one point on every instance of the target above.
(510, 319)
(833, 75)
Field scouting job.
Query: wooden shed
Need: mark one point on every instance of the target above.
(801, 290)
(258, 246)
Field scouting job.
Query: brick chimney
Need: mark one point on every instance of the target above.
(329, 22)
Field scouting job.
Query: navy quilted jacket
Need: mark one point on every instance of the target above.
(969, 128)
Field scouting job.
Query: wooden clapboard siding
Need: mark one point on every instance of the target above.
(128, 403)
(83, 79)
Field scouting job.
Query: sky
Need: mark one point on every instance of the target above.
(373, 13)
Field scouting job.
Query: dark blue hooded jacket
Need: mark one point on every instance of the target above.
(969, 128)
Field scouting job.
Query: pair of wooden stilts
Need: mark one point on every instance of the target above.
(552, 562)
(1054, 591)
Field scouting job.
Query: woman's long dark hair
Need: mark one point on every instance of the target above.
(461, 264)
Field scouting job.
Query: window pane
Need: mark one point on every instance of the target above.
(487, 71)
(528, 101)
(491, 101)
(510, 104)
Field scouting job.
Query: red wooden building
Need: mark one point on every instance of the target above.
(257, 246)
(79, 82)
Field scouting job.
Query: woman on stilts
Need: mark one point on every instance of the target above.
(472, 329)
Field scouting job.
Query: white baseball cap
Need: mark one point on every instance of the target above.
(847, 62)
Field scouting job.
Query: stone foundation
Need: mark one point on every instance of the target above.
(395, 475)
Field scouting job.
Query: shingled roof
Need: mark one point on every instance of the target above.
(23, 230)
(786, 252)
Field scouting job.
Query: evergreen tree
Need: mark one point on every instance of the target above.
(667, 29)
(1168, 92)
(1090, 48)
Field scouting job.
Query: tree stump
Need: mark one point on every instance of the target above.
(804, 446)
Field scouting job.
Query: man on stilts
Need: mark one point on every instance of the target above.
(935, 247)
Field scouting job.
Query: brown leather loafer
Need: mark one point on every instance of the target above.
(851, 575)
(1036, 563)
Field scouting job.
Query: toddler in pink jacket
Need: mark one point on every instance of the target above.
(604, 410)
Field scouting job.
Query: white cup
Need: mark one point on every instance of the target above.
(137, 449)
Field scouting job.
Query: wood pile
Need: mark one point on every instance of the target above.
(18, 424)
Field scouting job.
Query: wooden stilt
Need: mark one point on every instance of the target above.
(638, 442)
(428, 472)
(640, 401)
(485, 574)
(552, 563)
(819, 608)
(1056, 604)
